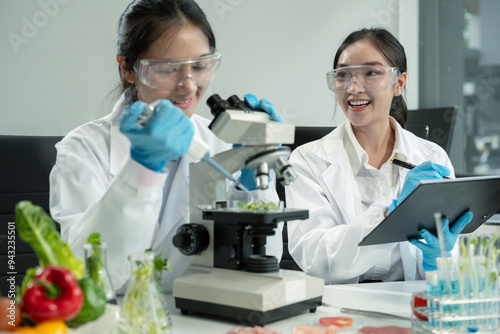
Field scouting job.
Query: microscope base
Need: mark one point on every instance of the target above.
(246, 316)
(250, 298)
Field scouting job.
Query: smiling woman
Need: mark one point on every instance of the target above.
(383, 56)
(129, 180)
(346, 178)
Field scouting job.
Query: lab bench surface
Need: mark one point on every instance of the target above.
(390, 297)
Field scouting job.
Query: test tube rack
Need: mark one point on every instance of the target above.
(456, 316)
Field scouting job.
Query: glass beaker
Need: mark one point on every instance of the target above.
(143, 309)
(96, 268)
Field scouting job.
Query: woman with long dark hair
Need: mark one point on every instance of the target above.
(128, 180)
(346, 179)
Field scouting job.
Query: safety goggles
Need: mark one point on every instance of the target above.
(367, 77)
(170, 74)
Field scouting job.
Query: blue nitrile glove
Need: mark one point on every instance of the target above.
(424, 171)
(264, 104)
(431, 249)
(166, 136)
(247, 176)
(247, 179)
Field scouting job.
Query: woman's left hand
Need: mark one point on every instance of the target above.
(431, 249)
(264, 104)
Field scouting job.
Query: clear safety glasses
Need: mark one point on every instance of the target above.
(172, 73)
(367, 77)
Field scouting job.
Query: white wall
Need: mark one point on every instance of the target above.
(58, 56)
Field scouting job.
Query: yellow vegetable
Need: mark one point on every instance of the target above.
(45, 327)
(26, 330)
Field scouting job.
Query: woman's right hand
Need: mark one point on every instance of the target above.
(424, 171)
(166, 136)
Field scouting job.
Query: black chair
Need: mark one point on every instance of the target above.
(434, 124)
(24, 175)
(303, 134)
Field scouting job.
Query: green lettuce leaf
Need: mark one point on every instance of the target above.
(39, 230)
(95, 262)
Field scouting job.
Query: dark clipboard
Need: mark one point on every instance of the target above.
(480, 194)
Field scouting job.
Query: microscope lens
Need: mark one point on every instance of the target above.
(235, 102)
(217, 104)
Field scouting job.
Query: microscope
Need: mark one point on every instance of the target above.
(230, 274)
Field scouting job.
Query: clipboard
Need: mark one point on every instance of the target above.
(452, 197)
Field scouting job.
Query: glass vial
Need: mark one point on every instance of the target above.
(96, 268)
(433, 294)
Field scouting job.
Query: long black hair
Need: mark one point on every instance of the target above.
(146, 20)
(393, 52)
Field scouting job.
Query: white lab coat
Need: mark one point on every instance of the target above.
(96, 187)
(326, 244)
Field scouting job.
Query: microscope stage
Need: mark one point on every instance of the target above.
(255, 217)
(251, 298)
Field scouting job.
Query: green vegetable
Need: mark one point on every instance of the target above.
(95, 262)
(260, 205)
(28, 277)
(160, 265)
(94, 303)
(39, 230)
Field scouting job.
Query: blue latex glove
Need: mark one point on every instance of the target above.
(166, 136)
(431, 250)
(247, 177)
(424, 171)
(264, 104)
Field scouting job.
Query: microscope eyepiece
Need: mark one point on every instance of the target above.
(237, 103)
(217, 104)
(234, 100)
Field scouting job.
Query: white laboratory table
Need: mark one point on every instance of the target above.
(391, 297)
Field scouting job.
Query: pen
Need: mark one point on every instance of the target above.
(405, 164)
(402, 163)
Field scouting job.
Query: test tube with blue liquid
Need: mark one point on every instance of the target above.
(448, 289)
(469, 280)
(489, 289)
(464, 296)
(448, 279)
(433, 293)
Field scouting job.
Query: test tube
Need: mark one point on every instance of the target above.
(432, 289)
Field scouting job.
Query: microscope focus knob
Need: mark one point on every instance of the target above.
(191, 239)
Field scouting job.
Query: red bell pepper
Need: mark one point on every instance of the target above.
(53, 293)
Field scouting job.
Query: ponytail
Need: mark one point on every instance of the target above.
(399, 110)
